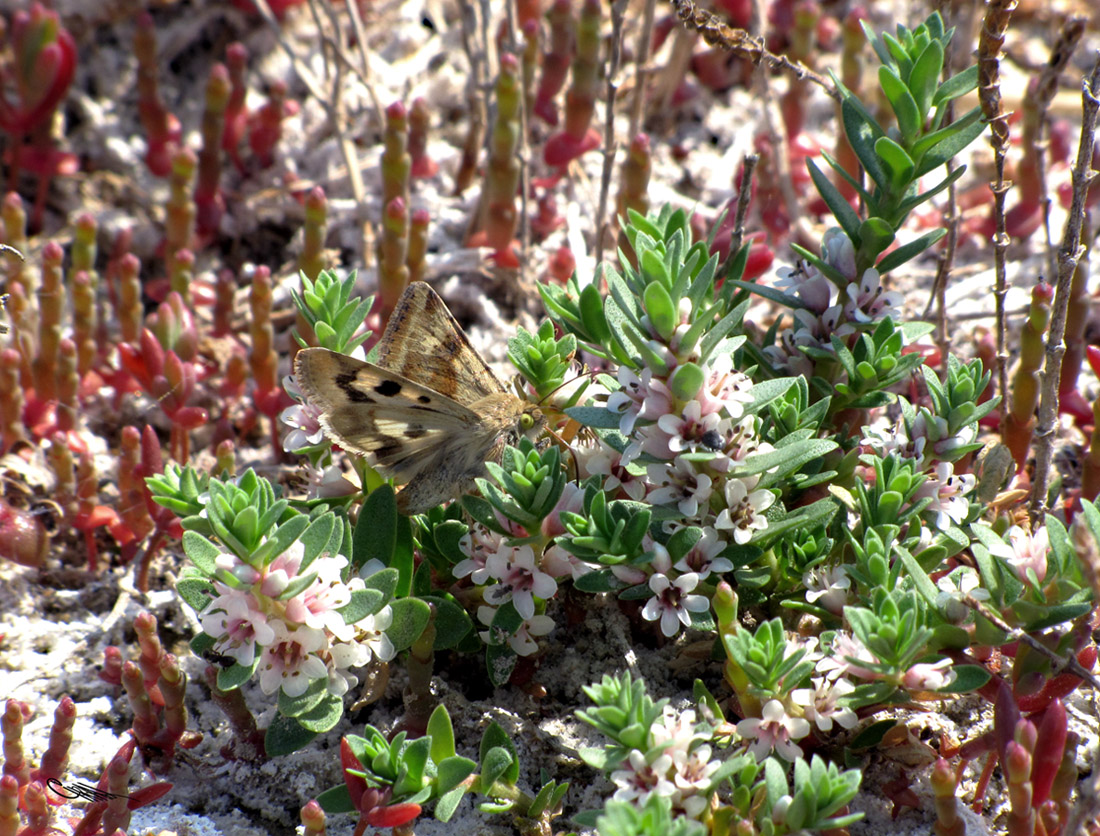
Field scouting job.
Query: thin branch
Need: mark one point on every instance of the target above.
(718, 33)
(338, 112)
(1068, 256)
(1060, 54)
(618, 10)
(1061, 663)
(990, 41)
(364, 75)
(300, 69)
(744, 195)
(641, 71)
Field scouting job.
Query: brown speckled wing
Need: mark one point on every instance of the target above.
(423, 342)
(392, 420)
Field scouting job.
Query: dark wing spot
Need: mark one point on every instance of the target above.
(347, 382)
(452, 345)
(388, 388)
(424, 399)
(415, 431)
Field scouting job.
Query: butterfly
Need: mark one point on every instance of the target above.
(430, 413)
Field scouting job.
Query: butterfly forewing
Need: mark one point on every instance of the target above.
(424, 340)
(377, 413)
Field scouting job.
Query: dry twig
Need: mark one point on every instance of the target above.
(990, 42)
(618, 10)
(744, 193)
(1068, 256)
(718, 33)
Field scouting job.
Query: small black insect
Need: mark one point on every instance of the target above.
(214, 658)
(712, 439)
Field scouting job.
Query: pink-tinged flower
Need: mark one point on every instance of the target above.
(869, 301)
(948, 495)
(628, 400)
(819, 704)
(520, 580)
(524, 640)
(885, 440)
(671, 602)
(572, 500)
(317, 606)
(827, 587)
(282, 570)
(640, 777)
(725, 389)
(559, 563)
(478, 544)
(304, 421)
(605, 461)
(928, 677)
(773, 731)
(690, 428)
(806, 284)
(289, 662)
(681, 483)
(703, 558)
(744, 511)
(846, 657)
(1024, 552)
(236, 619)
(328, 482)
(838, 251)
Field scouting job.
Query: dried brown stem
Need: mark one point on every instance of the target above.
(1068, 256)
(1061, 663)
(744, 194)
(618, 10)
(718, 33)
(1060, 54)
(990, 43)
(364, 73)
(641, 69)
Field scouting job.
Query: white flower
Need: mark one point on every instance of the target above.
(520, 580)
(744, 511)
(774, 731)
(820, 703)
(671, 602)
(828, 587)
(702, 558)
(1025, 552)
(681, 483)
(928, 677)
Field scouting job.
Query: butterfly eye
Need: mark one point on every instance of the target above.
(526, 421)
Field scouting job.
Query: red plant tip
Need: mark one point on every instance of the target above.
(236, 55)
(640, 144)
(85, 223)
(562, 148)
(315, 199)
(395, 209)
(23, 538)
(396, 112)
(421, 217)
(12, 201)
(508, 63)
(1042, 293)
(52, 252)
(313, 817)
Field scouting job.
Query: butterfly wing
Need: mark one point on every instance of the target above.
(425, 343)
(396, 423)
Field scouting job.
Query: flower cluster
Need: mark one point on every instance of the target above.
(299, 639)
(829, 304)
